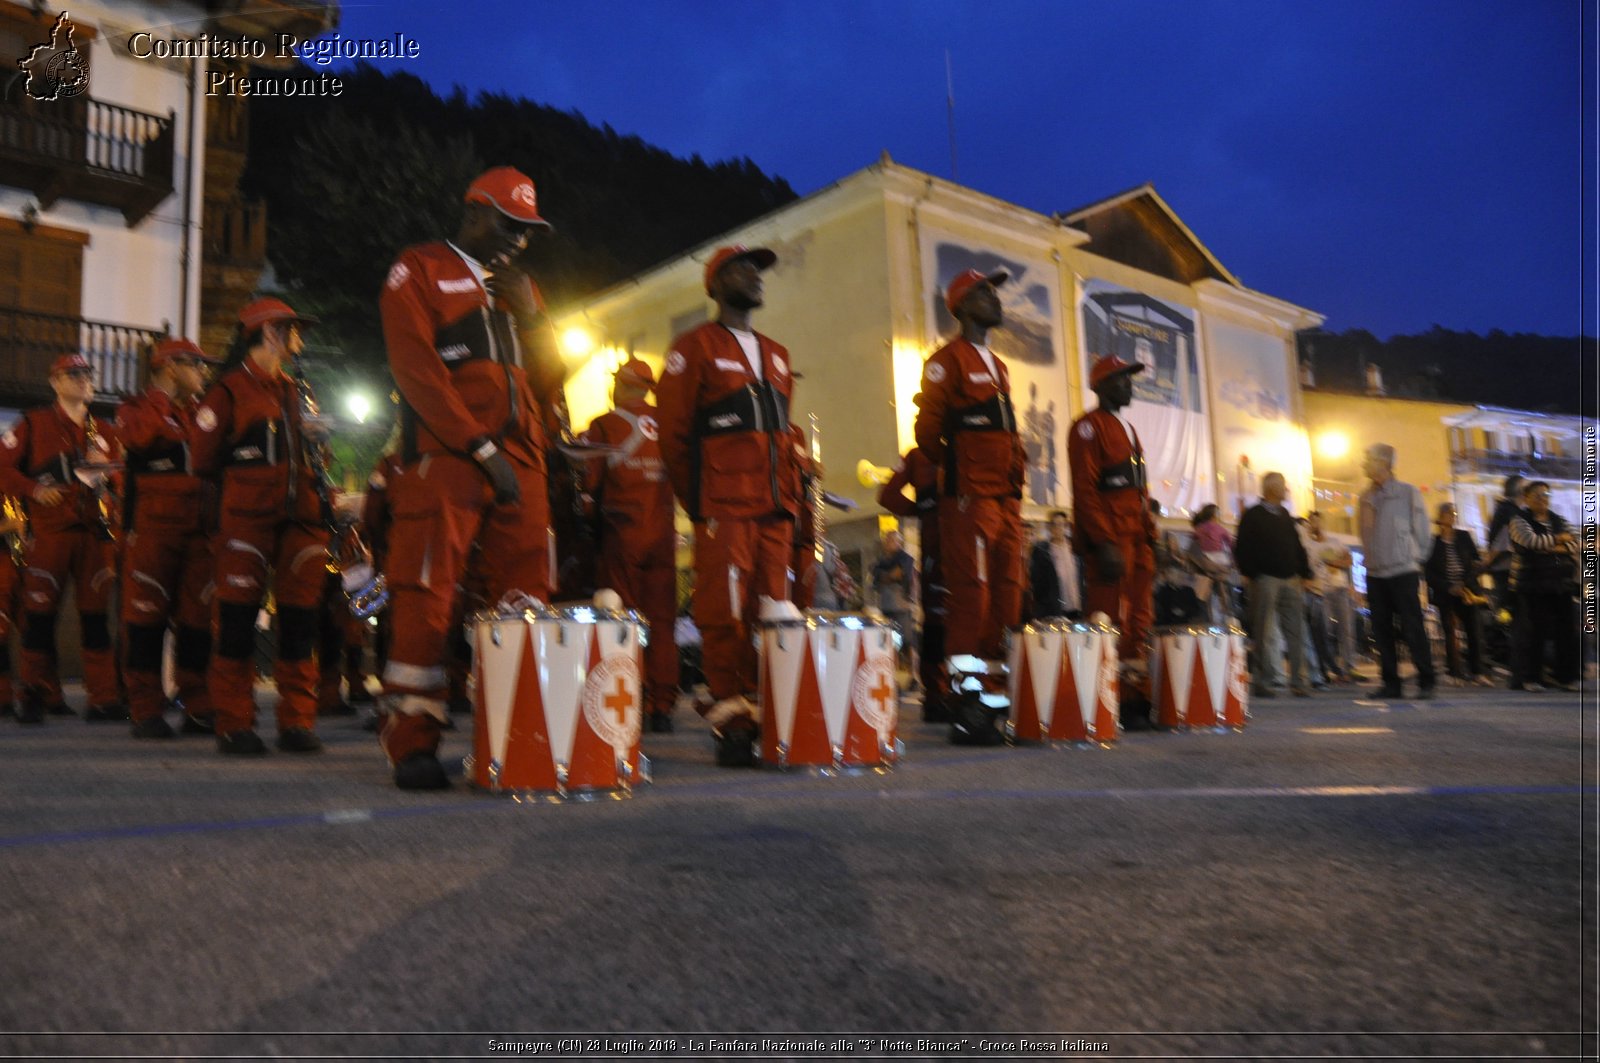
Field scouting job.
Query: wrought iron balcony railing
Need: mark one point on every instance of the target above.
(1503, 463)
(90, 150)
(29, 342)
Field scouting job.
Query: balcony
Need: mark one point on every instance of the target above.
(29, 342)
(1500, 463)
(88, 150)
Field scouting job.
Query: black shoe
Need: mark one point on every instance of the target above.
(1387, 693)
(61, 708)
(460, 706)
(198, 725)
(935, 710)
(736, 744)
(154, 727)
(244, 743)
(298, 740)
(661, 723)
(972, 723)
(29, 711)
(115, 712)
(1135, 715)
(342, 708)
(1261, 692)
(421, 771)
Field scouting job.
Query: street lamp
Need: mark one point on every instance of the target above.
(577, 342)
(1333, 444)
(359, 406)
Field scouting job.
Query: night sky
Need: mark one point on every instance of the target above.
(1393, 164)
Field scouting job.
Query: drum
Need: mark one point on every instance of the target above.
(829, 696)
(556, 703)
(1063, 682)
(1198, 677)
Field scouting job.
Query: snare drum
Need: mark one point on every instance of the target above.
(1063, 682)
(1198, 677)
(556, 703)
(829, 695)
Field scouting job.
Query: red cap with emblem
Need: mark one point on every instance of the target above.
(966, 281)
(761, 256)
(69, 362)
(265, 311)
(176, 347)
(637, 370)
(1109, 366)
(511, 192)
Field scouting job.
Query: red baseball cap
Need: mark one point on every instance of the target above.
(638, 370)
(68, 362)
(510, 191)
(761, 256)
(968, 280)
(177, 347)
(1109, 366)
(265, 311)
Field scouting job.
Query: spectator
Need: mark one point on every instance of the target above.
(1274, 564)
(1319, 657)
(1394, 534)
(1544, 577)
(892, 574)
(1053, 573)
(1497, 545)
(1338, 600)
(1211, 554)
(1175, 598)
(1452, 575)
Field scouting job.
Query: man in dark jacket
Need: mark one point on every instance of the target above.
(1273, 561)
(1452, 576)
(1053, 573)
(1544, 575)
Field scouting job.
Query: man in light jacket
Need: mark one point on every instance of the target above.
(1396, 537)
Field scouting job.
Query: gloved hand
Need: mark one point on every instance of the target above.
(1109, 559)
(502, 477)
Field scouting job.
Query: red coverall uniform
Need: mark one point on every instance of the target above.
(1111, 504)
(68, 542)
(922, 476)
(637, 543)
(458, 362)
(803, 556)
(248, 431)
(167, 563)
(966, 425)
(10, 584)
(725, 438)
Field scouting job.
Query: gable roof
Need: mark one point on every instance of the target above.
(1139, 229)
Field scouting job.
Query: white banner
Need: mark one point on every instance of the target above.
(1256, 431)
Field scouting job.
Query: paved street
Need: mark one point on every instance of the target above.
(1343, 877)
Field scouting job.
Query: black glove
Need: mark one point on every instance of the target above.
(502, 477)
(1109, 559)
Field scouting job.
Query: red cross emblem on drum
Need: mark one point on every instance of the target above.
(873, 693)
(828, 694)
(611, 698)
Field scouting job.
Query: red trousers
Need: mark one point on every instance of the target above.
(441, 506)
(803, 576)
(56, 556)
(1129, 601)
(646, 577)
(166, 580)
(248, 549)
(736, 562)
(980, 554)
(10, 581)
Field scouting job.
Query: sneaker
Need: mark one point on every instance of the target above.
(245, 743)
(736, 743)
(421, 771)
(972, 723)
(299, 740)
(115, 712)
(154, 727)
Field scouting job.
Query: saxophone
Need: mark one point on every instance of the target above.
(102, 500)
(349, 558)
(819, 501)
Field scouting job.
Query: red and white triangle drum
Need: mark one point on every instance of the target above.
(829, 696)
(1062, 683)
(556, 704)
(1198, 677)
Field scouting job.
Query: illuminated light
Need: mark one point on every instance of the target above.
(577, 342)
(360, 407)
(1333, 444)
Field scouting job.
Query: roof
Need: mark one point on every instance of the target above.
(1137, 227)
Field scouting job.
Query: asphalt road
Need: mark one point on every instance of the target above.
(1342, 878)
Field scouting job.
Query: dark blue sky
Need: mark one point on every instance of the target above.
(1390, 163)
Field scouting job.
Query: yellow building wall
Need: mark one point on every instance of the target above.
(1341, 426)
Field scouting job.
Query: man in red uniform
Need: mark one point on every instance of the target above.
(475, 364)
(251, 432)
(966, 425)
(629, 486)
(167, 561)
(13, 544)
(724, 409)
(922, 476)
(803, 567)
(40, 459)
(1113, 529)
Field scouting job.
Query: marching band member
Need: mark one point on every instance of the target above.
(73, 538)
(1113, 530)
(803, 566)
(252, 434)
(637, 543)
(920, 474)
(966, 425)
(475, 364)
(724, 410)
(14, 544)
(167, 558)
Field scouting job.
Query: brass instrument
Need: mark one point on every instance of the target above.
(1471, 596)
(819, 502)
(870, 475)
(349, 558)
(17, 537)
(94, 476)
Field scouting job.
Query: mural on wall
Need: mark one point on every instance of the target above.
(1169, 397)
(1028, 341)
(1254, 419)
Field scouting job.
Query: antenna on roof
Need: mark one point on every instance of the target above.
(950, 113)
